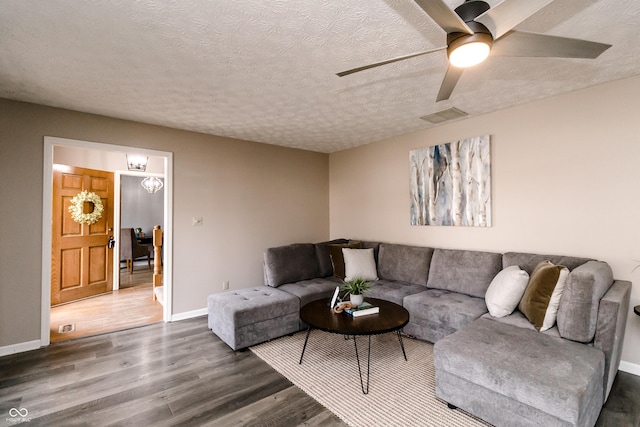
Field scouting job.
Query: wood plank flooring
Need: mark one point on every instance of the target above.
(180, 373)
(130, 306)
(169, 374)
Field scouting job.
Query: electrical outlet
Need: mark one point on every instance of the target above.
(225, 285)
(197, 221)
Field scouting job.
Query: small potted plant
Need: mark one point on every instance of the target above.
(355, 288)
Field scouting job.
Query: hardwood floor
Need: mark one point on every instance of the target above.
(180, 373)
(128, 307)
(165, 374)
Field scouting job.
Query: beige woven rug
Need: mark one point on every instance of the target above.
(400, 393)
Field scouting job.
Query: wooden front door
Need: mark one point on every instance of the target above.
(82, 262)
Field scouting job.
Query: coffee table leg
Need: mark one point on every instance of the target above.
(402, 345)
(304, 347)
(364, 390)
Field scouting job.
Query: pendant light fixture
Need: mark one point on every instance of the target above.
(152, 184)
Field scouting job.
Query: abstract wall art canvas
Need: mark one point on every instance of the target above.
(451, 183)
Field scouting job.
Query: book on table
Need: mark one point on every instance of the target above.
(363, 309)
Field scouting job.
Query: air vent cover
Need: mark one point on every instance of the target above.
(444, 115)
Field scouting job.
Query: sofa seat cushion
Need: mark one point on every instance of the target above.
(313, 289)
(390, 290)
(466, 272)
(523, 371)
(404, 263)
(436, 313)
(518, 319)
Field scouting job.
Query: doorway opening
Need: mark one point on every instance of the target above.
(111, 158)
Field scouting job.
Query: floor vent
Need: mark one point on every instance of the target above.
(444, 115)
(66, 328)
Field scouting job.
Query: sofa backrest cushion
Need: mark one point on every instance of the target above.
(324, 258)
(578, 310)
(466, 272)
(528, 262)
(373, 245)
(404, 263)
(291, 263)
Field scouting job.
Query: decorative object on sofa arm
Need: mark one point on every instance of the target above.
(355, 288)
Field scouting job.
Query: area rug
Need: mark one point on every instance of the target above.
(401, 393)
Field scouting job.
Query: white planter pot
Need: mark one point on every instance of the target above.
(356, 299)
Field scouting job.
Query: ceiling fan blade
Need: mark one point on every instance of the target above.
(506, 15)
(388, 61)
(524, 44)
(446, 18)
(449, 82)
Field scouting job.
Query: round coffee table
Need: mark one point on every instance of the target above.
(391, 318)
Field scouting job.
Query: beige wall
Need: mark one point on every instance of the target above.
(250, 195)
(565, 180)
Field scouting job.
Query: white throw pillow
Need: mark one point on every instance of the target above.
(359, 263)
(506, 290)
(552, 309)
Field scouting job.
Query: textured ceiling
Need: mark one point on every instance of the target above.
(264, 70)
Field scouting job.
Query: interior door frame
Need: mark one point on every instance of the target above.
(47, 216)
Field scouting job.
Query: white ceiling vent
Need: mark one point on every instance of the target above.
(444, 115)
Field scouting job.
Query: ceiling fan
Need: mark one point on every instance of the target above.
(475, 30)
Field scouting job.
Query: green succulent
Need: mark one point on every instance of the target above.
(355, 286)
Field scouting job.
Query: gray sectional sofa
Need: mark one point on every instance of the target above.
(502, 370)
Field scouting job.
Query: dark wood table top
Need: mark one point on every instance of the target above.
(391, 317)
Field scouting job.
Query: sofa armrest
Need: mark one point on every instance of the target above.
(610, 328)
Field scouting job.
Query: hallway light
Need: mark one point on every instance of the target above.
(152, 184)
(136, 162)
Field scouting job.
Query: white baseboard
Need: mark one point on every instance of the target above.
(629, 367)
(189, 314)
(20, 347)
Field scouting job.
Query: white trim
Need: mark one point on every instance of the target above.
(47, 219)
(47, 191)
(19, 348)
(189, 314)
(117, 194)
(630, 368)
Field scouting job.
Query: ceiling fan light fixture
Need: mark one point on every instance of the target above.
(469, 50)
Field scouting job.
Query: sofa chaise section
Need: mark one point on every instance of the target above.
(509, 374)
(512, 376)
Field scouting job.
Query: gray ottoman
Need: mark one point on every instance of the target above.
(250, 316)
